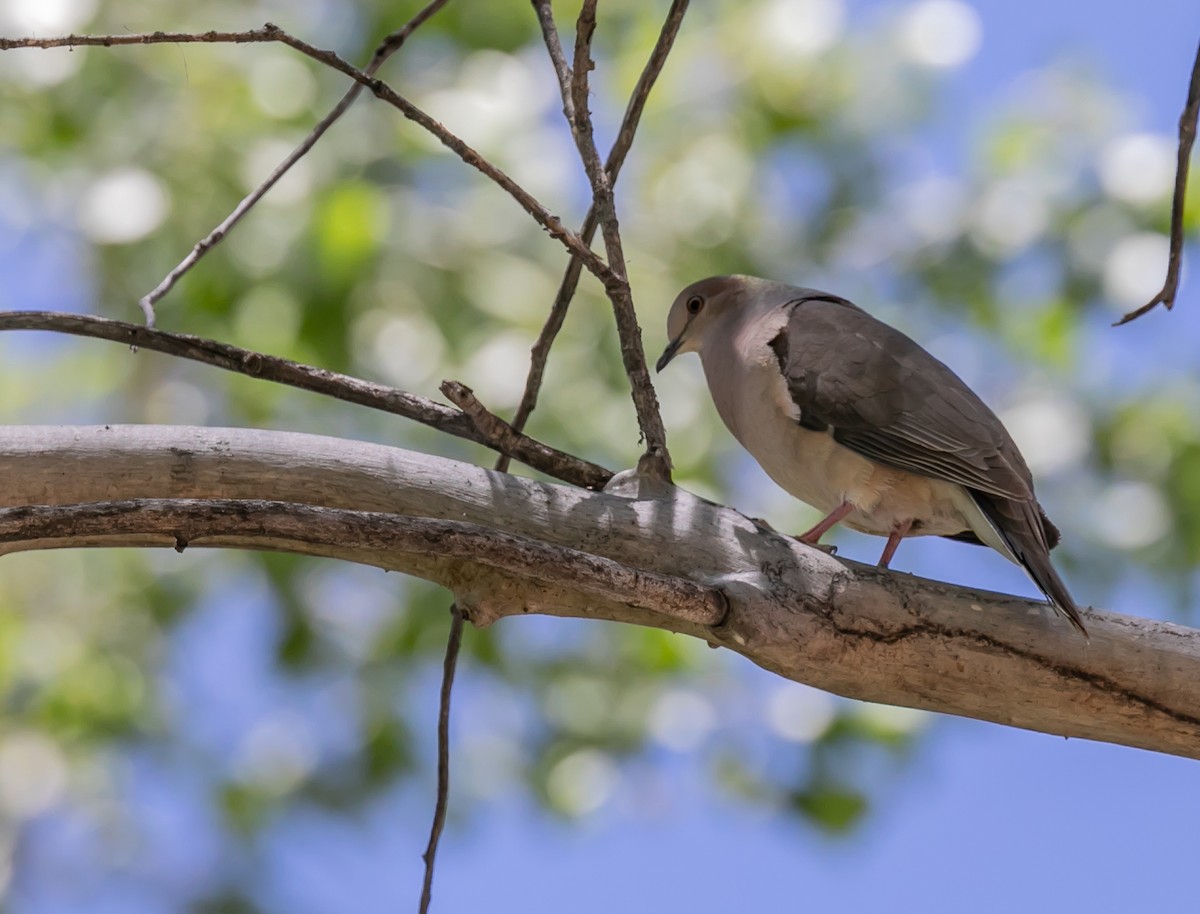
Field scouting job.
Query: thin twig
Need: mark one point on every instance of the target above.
(656, 462)
(554, 48)
(490, 426)
(581, 66)
(253, 36)
(381, 90)
(616, 158)
(528, 202)
(541, 457)
(641, 91)
(453, 643)
(1187, 136)
(389, 46)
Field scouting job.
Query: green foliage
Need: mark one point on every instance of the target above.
(834, 808)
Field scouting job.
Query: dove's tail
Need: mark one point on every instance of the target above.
(1023, 528)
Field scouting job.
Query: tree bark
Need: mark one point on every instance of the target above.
(639, 552)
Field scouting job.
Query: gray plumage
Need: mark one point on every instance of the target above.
(856, 419)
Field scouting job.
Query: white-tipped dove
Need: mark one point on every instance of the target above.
(854, 418)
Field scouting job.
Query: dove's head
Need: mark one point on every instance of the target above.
(710, 306)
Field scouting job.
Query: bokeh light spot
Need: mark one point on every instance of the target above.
(1130, 515)
(1139, 168)
(281, 86)
(1136, 269)
(40, 17)
(799, 713)
(33, 774)
(940, 33)
(800, 26)
(1052, 432)
(582, 782)
(123, 206)
(681, 719)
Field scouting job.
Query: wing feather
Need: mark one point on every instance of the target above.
(888, 399)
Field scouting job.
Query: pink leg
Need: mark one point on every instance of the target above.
(894, 541)
(811, 537)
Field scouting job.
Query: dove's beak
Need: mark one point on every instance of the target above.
(668, 353)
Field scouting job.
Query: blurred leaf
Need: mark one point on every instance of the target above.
(834, 808)
(245, 808)
(349, 224)
(227, 904)
(388, 751)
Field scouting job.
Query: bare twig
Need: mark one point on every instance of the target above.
(253, 36)
(528, 202)
(189, 522)
(554, 47)
(395, 41)
(533, 453)
(581, 66)
(641, 91)
(616, 158)
(490, 426)
(381, 90)
(1187, 136)
(389, 46)
(453, 643)
(656, 462)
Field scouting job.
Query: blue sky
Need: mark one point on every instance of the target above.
(986, 820)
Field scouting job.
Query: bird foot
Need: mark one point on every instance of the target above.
(800, 538)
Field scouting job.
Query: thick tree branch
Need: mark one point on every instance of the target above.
(616, 158)
(1187, 136)
(849, 629)
(389, 46)
(385, 539)
(381, 90)
(495, 434)
(573, 86)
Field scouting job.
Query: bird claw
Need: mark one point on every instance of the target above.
(827, 548)
(762, 525)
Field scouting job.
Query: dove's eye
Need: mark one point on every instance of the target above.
(694, 304)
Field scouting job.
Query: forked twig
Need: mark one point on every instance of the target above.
(573, 86)
(389, 46)
(1187, 136)
(380, 89)
(616, 158)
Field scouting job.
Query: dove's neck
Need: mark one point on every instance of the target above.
(741, 368)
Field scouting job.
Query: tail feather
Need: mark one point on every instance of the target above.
(970, 536)
(1029, 535)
